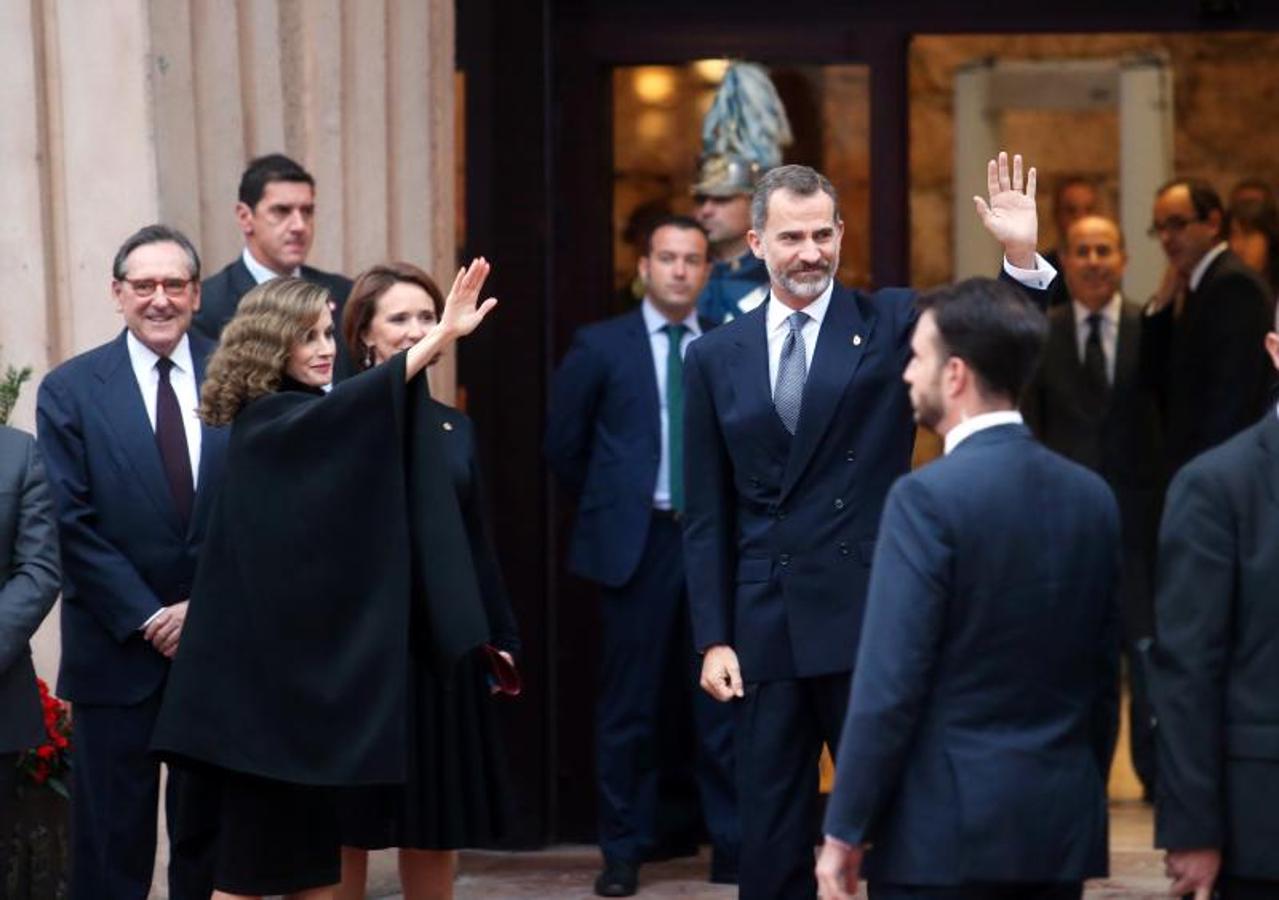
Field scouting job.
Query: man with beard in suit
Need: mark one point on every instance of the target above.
(796, 424)
(276, 214)
(1216, 664)
(1201, 346)
(1087, 402)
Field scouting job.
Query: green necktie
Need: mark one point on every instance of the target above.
(675, 414)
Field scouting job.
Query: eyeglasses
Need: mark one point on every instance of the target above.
(145, 287)
(1172, 225)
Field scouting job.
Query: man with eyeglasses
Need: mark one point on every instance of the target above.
(1202, 335)
(276, 214)
(132, 472)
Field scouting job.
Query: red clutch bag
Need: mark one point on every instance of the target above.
(504, 678)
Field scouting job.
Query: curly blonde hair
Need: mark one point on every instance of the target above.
(254, 350)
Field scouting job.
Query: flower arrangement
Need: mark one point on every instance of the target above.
(49, 763)
(10, 385)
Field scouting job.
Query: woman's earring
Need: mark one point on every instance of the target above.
(368, 357)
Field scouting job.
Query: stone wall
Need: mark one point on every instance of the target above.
(1225, 96)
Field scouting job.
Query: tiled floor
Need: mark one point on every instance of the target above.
(566, 872)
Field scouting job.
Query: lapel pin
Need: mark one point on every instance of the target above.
(448, 426)
(857, 340)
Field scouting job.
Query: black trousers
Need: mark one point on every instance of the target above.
(781, 726)
(1052, 891)
(646, 634)
(115, 787)
(8, 786)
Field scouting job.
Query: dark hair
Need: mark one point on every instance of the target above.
(993, 327)
(155, 234)
(1203, 196)
(1259, 185)
(803, 181)
(1260, 216)
(266, 169)
(671, 220)
(1068, 181)
(361, 304)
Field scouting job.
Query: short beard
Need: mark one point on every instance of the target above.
(807, 290)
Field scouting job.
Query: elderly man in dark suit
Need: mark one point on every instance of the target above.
(133, 473)
(29, 579)
(796, 423)
(614, 437)
(1088, 403)
(1201, 346)
(974, 756)
(276, 213)
(1216, 667)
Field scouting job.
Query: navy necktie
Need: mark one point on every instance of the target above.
(792, 370)
(1095, 356)
(675, 414)
(171, 438)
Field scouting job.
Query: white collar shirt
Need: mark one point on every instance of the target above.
(777, 315)
(182, 377)
(260, 272)
(969, 427)
(1109, 330)
(1201, 267)
(655, 323)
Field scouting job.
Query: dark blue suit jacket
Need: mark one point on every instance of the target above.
(984, 700)
(124, 553)
(604, 443)
(778, 538)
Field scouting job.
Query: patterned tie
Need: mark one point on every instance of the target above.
(1095, 356)
(675, 414)
(792, 369)
(171, 438)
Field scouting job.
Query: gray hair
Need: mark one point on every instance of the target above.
(803, 181)
(155, 234)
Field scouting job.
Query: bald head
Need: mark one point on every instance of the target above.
(1092, 260)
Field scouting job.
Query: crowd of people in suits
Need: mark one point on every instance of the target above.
(738, 449)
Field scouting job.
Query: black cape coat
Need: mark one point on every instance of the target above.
(336, 541)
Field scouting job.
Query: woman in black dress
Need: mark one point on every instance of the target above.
(292, 677)
(454, 796)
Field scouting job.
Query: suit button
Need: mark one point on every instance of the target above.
(849, 456)
(839, 503)
(843, 548)
(754, 482)
(784, 559)
(781, 514)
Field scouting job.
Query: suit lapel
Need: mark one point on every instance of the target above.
(642, 351)
(1269, 438)
(212, 442)
(241, 280)
(1126, 347)
(749, 378)
(844, 336)
(126, 415)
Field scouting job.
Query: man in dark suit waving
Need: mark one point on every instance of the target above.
(614, 437)
(276, 213)
(133, 473)
(796, 423)
(974, 755)
(1088, 402)
(1216, 665)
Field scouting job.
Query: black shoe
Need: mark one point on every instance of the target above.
(723, 867)
(619, 879)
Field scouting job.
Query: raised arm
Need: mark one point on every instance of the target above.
(1010, 214)
(462, 314)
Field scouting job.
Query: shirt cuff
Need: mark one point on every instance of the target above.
(1038, 278)
(150, 619)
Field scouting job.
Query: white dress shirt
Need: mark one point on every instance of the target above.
(182, 377)
(969, 427)
(260, 272)
(778, 328)
(1109, 331)
(660, 344)
(1201, 267)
